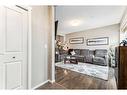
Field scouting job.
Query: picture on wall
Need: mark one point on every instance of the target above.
(79, 40)
(98, 41)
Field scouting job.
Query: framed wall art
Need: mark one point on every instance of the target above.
(78, 40)
(97, 41)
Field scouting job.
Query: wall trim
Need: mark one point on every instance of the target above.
(29, 48)
(53, 46)
(51, 81)
(40, 84)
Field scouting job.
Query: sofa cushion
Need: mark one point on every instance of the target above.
(99, 61)
(84, 52)
(91, 52)
(88, 59)
(77, 51)
(100, 52)
(80, 58)
(69, 51)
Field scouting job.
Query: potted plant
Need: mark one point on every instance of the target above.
(111, 54)
(59, 44)
(124, 42)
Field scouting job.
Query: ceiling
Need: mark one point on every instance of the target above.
(79, 18)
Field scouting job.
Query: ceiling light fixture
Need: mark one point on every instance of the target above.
(75, 22)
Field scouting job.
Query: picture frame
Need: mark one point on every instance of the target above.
(78, 40)
(97, 41)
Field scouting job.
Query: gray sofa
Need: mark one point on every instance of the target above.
(98, 56)
(60, 54)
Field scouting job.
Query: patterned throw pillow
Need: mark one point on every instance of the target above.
(73, 52)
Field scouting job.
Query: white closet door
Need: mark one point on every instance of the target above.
(13, 68)
(14, 48)
(14, 30)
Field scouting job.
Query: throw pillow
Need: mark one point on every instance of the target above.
(73, 52)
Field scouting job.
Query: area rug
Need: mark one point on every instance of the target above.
(86, 68)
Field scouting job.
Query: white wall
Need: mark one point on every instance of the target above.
(40, 29)
(123, 26)
(111, 31)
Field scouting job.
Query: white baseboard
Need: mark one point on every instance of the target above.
(51, 81)
(40, 85)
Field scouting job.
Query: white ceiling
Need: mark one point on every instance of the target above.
(89, 16)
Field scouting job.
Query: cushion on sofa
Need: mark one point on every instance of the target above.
(80, 58)
(84, 52)
(77, 51)
(88, 59)
(73, 52)
(69, 51)
(99, 61)
(100, 52)
(91, 52)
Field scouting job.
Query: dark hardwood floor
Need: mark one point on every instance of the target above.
(51, 86)
(66, 79)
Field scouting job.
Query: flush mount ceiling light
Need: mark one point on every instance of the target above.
(75, 22)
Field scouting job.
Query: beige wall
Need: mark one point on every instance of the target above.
(111, 31)
(40, 29)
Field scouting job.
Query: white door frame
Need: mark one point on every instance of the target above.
(29, 48)
(53, 44)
